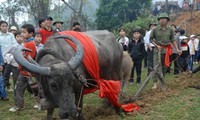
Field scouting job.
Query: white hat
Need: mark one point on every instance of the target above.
(13, 28)
(183, 37)
(191, 36)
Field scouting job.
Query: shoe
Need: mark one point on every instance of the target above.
(15, 109)
(10, 90)
(155, 86)
(4, 99)
(131, 83)
(36, 106)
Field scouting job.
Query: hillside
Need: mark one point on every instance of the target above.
(190, 25)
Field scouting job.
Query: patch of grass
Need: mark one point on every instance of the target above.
(184, 105)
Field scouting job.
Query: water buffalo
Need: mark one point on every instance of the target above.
(127, 65)
(56, 64)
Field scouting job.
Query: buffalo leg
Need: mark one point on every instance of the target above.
(50, 114)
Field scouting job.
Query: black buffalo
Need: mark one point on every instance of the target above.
(56, 65)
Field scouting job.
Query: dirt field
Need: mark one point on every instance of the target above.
(149, 99)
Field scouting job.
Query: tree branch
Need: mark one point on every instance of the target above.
(70, 6)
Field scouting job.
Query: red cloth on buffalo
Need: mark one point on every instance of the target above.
(108, 88)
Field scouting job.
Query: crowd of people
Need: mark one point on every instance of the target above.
(170, 41)
(175, 47)
(29, 37)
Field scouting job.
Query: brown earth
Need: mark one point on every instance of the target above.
(189, 22)
(175, 86)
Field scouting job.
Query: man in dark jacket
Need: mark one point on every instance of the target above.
(137, 51)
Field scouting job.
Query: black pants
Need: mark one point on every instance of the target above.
(145, 60)
(183, 63)
(150, 54)
(6, 74)
(138, 66)
(173, 57)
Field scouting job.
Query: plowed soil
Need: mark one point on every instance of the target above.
(148, 99)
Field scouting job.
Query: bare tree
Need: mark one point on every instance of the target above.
(166, 6)
(9, 10)
(36, 8)
(77, 12)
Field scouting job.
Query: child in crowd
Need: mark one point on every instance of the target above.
(24, 76)
(37, 41)
(123, 39)
(183, 59)
(191, 45)
(10, 59)
(137, 51)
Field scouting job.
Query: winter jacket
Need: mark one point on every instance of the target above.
(136, 50)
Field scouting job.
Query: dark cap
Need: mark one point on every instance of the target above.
(76, 23)
(49, 18)
(42, 19)
(137, 30)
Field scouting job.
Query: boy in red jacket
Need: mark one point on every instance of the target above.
(27, 32)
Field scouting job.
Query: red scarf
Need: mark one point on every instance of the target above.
(108, 88)
(167, 54)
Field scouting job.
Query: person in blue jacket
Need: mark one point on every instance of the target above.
(3, 95)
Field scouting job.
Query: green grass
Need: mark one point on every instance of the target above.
(181, 106)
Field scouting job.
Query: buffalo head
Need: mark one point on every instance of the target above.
(56, 76)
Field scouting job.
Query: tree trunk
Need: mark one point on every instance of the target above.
(166, 6)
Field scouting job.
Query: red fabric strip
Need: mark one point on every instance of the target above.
(108, 88)
(167, 54)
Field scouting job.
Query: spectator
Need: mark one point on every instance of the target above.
(123, 39)
(6, 41)
(41, 24)
(76, 27)
(13, 30)
(9, 59)
(185, 6)
(48, 30)
(137, 51)
(58, 24)
(198, 5)
(37, 41)
(191, 45)
(150, 47)
(183, 59)
(24, 76)
(3, 94)
(158, 8)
